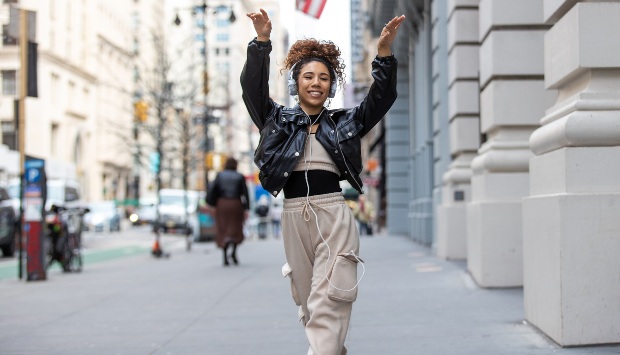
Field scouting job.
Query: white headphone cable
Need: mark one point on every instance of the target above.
(316, 218)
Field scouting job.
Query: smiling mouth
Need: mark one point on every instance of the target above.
(315, 93)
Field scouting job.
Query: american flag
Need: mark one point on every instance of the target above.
(313, 8)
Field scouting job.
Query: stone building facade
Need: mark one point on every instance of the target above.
(505, 136)
(81, 121)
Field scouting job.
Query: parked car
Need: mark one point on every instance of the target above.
(8, 223)
(103, 216)
(12, 188)
(145, 213)
(174, 216)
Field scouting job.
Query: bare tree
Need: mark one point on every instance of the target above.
(174, 128)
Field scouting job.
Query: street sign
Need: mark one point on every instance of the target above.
(33, 175)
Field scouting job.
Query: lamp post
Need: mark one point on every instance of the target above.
(205, 75)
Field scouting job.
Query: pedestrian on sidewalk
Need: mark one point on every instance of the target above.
(275, 214)
(306, 150)
(364, 212)
(228, 197)
(262, 212)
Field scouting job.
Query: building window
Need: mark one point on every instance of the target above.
(55, 87)
(85, 97)
(8, 135)
(136, 74)
(222, 22)
(136, 46)
(6, 40)
(135, 21)
(9, 85)
(71, 93)
(222, 37)
(54, 140)
(223, 67)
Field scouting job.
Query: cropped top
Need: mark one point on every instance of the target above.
(316, 158)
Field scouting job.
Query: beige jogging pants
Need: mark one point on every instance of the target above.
(314, 250)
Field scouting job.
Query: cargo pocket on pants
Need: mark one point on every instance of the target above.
(287, 271)
(343, 279)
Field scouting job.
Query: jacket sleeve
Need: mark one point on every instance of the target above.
(212, 192)
(255, 82)
(245, 197)
(381, 95)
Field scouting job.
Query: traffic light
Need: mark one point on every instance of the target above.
(141, 111)
(209, 160)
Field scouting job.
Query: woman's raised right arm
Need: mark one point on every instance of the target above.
(255, 74)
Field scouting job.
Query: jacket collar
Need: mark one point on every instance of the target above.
(295, 115)
(298, 116)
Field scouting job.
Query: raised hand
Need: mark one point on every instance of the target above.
(387, 36)
(262, 24)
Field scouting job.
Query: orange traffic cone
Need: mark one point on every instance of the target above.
(156, 251)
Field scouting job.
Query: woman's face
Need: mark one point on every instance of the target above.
(313, 86)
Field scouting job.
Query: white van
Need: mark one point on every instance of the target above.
(64, 193)
(60, 192)
(174, 216)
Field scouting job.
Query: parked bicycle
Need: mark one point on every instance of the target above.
(64, 237)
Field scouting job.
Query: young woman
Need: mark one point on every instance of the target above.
(305, 151)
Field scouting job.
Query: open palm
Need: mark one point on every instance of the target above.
(389, 33)
(261, 22)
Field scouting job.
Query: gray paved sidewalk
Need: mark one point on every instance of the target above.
(410, 303)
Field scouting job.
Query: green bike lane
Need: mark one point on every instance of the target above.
(9, 268)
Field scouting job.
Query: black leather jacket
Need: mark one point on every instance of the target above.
(228, 184)
(283, 131)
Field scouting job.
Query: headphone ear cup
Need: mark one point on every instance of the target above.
(332, 90)
(292, 86)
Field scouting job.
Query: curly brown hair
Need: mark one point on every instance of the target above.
(308, 50)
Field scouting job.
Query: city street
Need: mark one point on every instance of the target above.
(482, 135)
(410, 303)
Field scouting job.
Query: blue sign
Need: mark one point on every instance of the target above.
(34, 164)
(33, 175)
(154, 162)
(32, 190)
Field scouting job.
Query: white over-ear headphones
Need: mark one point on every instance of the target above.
(292, 84)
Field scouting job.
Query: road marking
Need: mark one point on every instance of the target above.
(8, 270)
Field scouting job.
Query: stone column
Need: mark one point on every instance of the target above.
(571, 221)
(512, 100)
(463, 113)
(398, 138)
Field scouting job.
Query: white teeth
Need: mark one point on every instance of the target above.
(315, 94)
